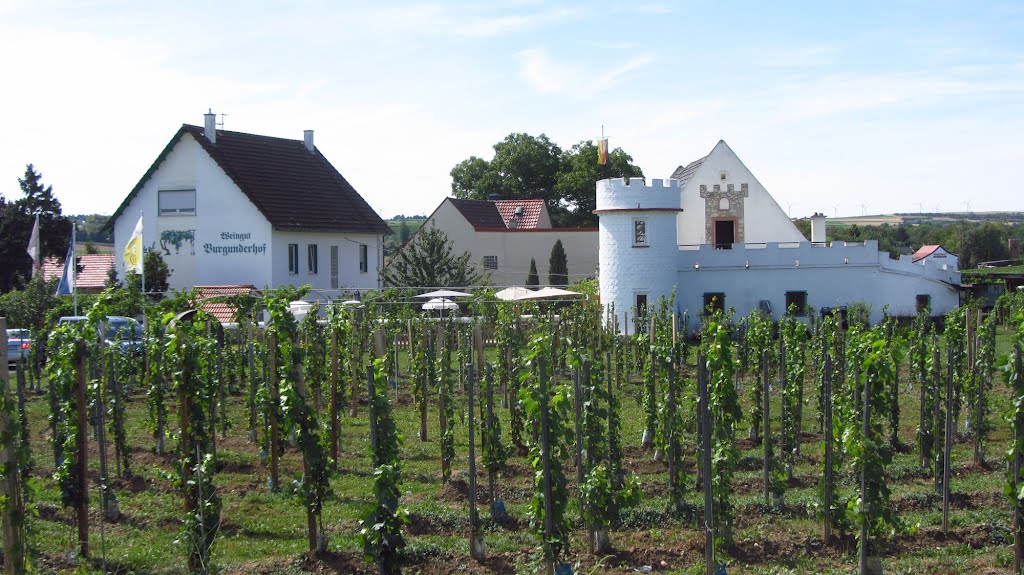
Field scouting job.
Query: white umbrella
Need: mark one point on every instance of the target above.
(444, 293)
(514, 293)
(549, 291)
(440, 303)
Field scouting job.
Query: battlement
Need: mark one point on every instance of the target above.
(617, 194)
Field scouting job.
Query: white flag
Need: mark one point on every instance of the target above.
(133, 251)
(33, 246)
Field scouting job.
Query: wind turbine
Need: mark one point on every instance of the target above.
(835, 210)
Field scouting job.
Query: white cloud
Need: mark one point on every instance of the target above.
(575, 80)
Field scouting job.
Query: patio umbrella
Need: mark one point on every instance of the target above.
(514, 293)
(440, 304)
(444, 293)
(549, 291)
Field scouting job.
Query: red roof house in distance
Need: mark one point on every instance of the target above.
(91, 271)
(215, 300)
(504, 235)
(936, 252)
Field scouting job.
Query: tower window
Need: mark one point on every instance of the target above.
(640, 232)
(797, 299)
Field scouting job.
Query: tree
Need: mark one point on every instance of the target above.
(16, 221)
(157, 274)
(427, 261)
(403, 233)
(526, 166)
(580, 173)
(558, 267)
(533, 278)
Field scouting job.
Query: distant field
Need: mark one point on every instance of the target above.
(81, 248)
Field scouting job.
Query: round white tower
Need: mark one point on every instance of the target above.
(638, 255)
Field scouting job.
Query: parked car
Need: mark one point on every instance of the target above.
(118, 330)
(19, 342)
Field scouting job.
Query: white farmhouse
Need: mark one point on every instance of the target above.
(714, 236)
(229, 208)
(504, 235)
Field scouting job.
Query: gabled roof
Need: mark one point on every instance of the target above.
(479, 213)
(684, 173)
(220, 309)
(295, 189)
(91, 270)
(528, 219)
(926, 251)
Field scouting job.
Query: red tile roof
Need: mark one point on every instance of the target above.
(488, 215)
(924, 252)
(91, 271)
(295, 189)
(220, 309)
(527, 220)
(479, 213)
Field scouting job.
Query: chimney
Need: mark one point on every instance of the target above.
(818, 228)
(307, 138)
(210, 126)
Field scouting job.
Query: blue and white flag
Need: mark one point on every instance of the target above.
(66, 286)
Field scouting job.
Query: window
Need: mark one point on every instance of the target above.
(639, 232)
(924, 301)
(798, 299)
(293, 258)
(723, 204)
(364, 263)
(641, 305)
(177, 202)
(714, 302)
(334, 267)
(490, 262)
(311, 256)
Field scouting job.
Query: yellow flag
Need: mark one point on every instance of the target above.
(133, 251)
(602, 151)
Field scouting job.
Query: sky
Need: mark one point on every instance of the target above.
(844, 108)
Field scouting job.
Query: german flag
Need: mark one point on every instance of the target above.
(602, 151)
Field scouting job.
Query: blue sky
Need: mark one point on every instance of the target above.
(843, 108)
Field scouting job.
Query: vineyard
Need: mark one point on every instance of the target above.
(522, 438)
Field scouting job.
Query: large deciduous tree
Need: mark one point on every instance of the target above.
(526, 166)
(427, 261)
(16, 221)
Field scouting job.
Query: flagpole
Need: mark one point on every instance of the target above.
(142, 273)
(74, 269)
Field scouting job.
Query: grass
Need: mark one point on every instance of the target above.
(265, 532)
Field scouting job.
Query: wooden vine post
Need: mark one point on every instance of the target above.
(1017, 392)
(250, 356)
(10, 488)
(705, 424)
(549, 527)
(275, 402)
(947, 442)
(827, 491)
(335, 373)
(82, 445)
(766, 420)
(477, 548)
(866, 507)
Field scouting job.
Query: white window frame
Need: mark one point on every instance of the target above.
(293, 259)
(179, 199)
(313, 261)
